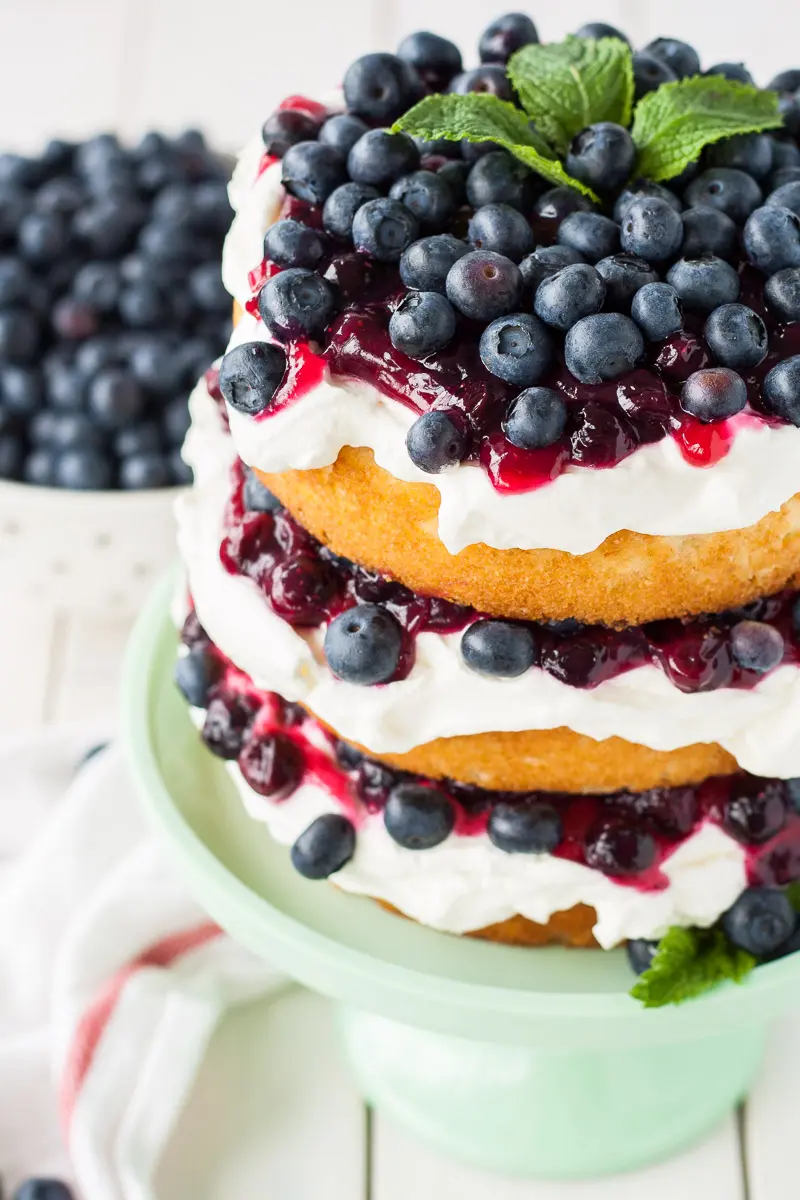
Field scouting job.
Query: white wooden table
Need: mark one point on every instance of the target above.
(280, 1093)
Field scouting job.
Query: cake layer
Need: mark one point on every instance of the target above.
(461, 858)
(443, 718)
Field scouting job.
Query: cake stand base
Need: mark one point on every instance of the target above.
(529, 1062)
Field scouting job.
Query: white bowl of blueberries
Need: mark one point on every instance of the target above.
(111, 307)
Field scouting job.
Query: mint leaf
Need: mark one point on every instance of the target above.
(673, 124)
(689, 962)
(478, 117)
(568, 85)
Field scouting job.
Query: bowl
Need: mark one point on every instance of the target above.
(527, 1062)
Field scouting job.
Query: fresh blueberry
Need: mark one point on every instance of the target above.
(704, 283)
(524, 827)
(536, 418)
(435, 59)
(311, 170)
(651, 229)
(83, 470)
(574, 292)
(74, 431)
(286, 128)
(735, 72)
(422, 324)
(782, 294)
(619, 849)
(603, 347)
(435, 441)
(42, 237)
(384, 229)
(341, 132)
(143, 306)
(728, 189)
(256, 497)
(143, 438)
(516, 349)
(418, 816)
(714, 394)
(342, 206)
(427, 196)
(325, 847)
(601, 156)
(114, 398)
(640, 189)
(707, 230)
(591, 234)
(501, 228)
(544, 262)
(497, 178)
(756, 646)
(16, 282)
(787, 196)
(680, 56)
(736, 336)
(21, 391)
(380, 157)
(39, 467)
(289, 243)
(624, 275)
(489, 79)
(140, 471)
(250, 374)
(195, 674)
(658, 311)
(381, 87)
(42, 1189)
(363, 644)
(784, 175)
(641, 953)
(760, 920)
(425, 264)
(772, 239)
(455, 174)
(11, 456)
(108, 227)
(207, 291)
(98, 284)
(782, 390)
(156, 366)
(73, 319)
(483, 285)
(297, 303)
(649, 73)
(558, 202)
(19, 335)
(498, 648)
(505, 35)
(750, 152)
(789, 110)
(785, 81)
(595, 30)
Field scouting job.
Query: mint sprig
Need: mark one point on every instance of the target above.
(568, 85)
(674, 123)
(688, 963)
(483, 118)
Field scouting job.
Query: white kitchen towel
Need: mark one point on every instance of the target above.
(112, 980)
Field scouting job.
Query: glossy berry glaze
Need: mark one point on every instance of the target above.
(606, 422)
(307, 585)
(628, 836)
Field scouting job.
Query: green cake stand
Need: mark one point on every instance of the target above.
(528, 1062)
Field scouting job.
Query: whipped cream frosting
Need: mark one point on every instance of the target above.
(466, 883)
(441, 697)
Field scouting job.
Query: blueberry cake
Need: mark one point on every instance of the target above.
(493, 550)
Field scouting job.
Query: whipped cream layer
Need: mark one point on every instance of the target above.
(653, 491)
(441, 697)
(466, 883)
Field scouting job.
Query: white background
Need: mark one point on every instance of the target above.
(77, 66)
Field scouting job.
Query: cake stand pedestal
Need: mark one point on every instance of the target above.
(529, 1062)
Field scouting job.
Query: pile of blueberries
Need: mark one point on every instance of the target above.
(111, 306)
(459, 221)
(41, 1189)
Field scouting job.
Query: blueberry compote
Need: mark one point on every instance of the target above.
(606, 422)
(626, 835)
(307, 585)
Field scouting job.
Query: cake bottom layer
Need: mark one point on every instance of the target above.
(460, 858)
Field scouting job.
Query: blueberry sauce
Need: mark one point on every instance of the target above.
(307, 585)
(626, 835)
(606, 422)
